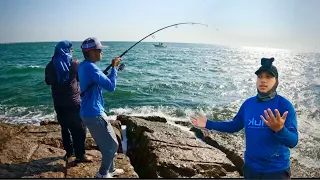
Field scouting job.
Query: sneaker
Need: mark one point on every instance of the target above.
(98, 175)
(117, 172)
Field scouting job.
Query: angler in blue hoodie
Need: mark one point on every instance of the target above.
(270, 125)
(92, 81)
(61, 73)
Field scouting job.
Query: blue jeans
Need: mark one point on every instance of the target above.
(104, 136)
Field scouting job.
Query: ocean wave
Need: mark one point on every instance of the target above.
(35, 66)
(20, 66)
(23, 69)
(37, 114)
(25, 115)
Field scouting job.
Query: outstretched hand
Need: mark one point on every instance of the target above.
(276, 123)
(200, 121)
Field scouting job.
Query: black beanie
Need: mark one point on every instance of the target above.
(266, 65)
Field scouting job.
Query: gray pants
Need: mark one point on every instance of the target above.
(104, 136)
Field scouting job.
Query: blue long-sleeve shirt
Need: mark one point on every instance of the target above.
(92, 103)
(266, 150)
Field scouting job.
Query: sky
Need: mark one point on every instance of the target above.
(284, 24)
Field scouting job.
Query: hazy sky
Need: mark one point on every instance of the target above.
(288, 24)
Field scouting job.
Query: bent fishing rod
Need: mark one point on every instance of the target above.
(121, 66)
(193, 23)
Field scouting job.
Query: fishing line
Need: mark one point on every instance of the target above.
(121, 67)
(173, 25)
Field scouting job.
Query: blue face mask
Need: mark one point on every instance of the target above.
(62, 60)
(269, 95)
(266, 65)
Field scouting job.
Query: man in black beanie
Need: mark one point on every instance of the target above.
(269, 137)
(271, 71)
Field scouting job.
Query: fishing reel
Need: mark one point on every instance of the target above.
(120, 68)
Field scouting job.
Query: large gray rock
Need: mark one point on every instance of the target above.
(161, 150)
(233, 146)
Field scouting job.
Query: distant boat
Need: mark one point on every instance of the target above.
(159, 45)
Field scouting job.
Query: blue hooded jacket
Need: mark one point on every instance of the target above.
(62, 60)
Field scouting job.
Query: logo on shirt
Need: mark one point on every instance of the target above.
(256, 123)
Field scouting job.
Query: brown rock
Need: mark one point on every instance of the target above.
(36, 152)
(14, 156)
(230, 144)
(47, 122)
(124, 118)
(161, 150)
(50, 134)
(233, 146)
(88, 170)
(116, 124)
(300, 171)
(153, 118)
(184, 123)
(8, 131)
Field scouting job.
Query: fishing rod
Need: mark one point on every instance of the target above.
(121, 66)
(176, 25)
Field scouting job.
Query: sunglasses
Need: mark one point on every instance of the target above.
(99, 50)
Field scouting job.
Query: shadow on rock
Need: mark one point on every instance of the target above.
(34, 168)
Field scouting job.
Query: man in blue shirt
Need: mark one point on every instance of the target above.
(270, 127)
(92, 81)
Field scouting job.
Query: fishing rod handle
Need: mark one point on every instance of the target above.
(107, 69)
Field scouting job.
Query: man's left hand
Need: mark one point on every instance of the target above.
(276, 123)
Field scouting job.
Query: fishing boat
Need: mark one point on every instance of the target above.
(159, 45)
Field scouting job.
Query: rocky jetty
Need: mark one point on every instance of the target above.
(155, 149)
(28, 151)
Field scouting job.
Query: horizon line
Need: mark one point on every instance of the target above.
(104, 41)
(177, 42)
(268, 48)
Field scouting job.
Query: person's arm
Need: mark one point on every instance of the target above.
(107, 83)
(288, 135)
(232, 126)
